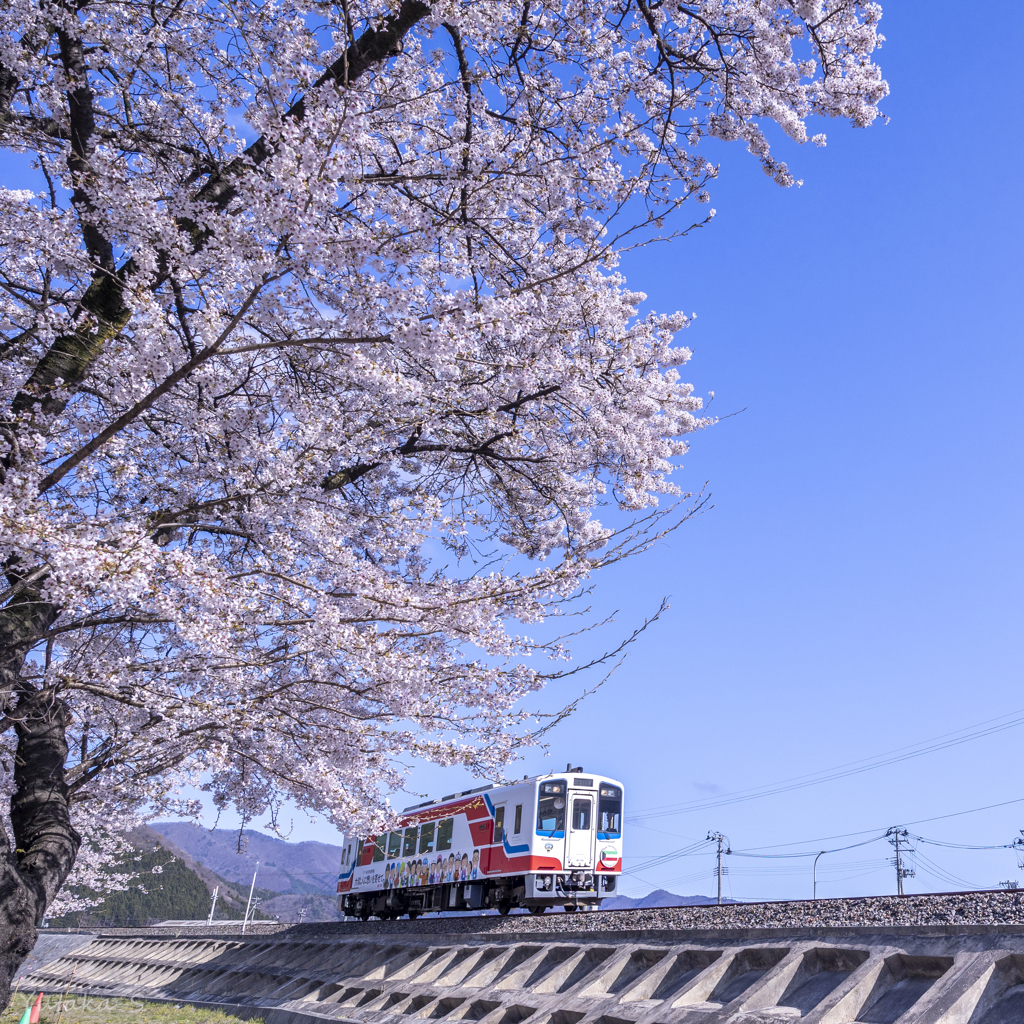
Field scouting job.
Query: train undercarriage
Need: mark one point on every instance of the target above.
(536, 893)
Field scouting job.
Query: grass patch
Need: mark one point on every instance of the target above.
(80, 1009)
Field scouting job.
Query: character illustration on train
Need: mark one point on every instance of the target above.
(553, 840)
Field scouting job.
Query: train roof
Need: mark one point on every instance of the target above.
(491, 785)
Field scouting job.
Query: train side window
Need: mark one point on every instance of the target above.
(609, 809)
(444, 834)
(394, 844)
(427, 837)
(378, 847)
(519, 820)
(359, 852)
(409, 845)
(499, 824)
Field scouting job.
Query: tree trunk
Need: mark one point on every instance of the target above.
(41, 849)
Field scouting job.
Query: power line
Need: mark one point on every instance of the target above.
(962, 846)
(918, 821)
(685, 851)
(942, 742)
(807, 853)
(899, 837)
(937, 871)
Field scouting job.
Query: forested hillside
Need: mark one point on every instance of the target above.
(161, 888)
(165, 884)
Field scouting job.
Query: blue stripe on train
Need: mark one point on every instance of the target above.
(509, 850)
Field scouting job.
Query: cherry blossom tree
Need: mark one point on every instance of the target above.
(318, 372)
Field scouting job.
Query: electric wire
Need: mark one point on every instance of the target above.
(989, 727)
(808, 853)
(960, 846)
(926, 864)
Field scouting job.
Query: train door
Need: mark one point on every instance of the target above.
(495, 856)
(580, 851)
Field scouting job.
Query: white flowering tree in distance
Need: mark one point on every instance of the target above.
(317, 371)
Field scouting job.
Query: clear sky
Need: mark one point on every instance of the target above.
(857, 586)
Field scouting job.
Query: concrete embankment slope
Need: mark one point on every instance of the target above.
(917, 960)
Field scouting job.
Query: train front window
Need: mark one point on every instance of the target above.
(551, 807)
(609, 810)
(409, 846)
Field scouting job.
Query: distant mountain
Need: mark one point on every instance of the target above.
(308, 868)
(659, 898)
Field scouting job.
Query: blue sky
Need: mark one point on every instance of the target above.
(856, 586)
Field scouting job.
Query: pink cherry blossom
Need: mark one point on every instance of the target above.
(319, 375)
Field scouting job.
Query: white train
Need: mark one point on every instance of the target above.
(543, 842)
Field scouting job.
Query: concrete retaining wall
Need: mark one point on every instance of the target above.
(919, 960)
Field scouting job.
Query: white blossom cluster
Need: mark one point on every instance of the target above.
(372, 380)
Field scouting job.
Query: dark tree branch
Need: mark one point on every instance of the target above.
(102, 312)
(373, 46)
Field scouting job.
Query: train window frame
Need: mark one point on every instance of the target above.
(444, 835)
(394, 845)
(518, 824)
(549, 793)
(609, 810)
(410, 837)
(584, 807)
(427, 837)
(499, 824)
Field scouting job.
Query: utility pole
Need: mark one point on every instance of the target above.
(717, 837)
(896, 836)
(245, 920)
(815, 874)
(213, 906)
